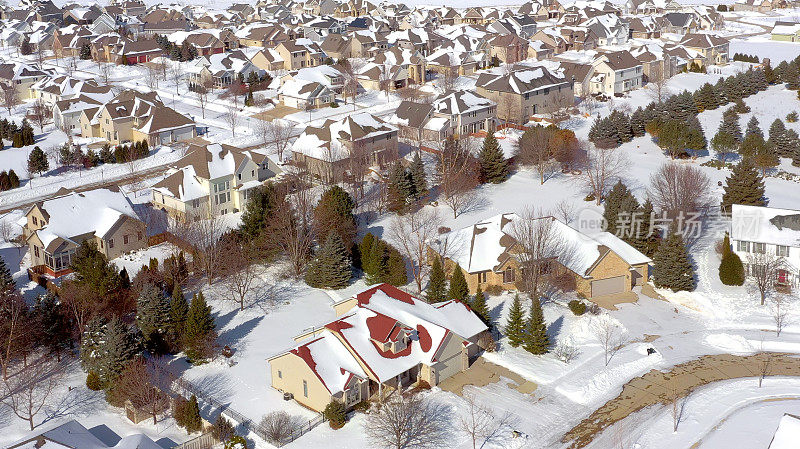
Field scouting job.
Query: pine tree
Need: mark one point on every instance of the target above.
(396, 273)
(7, 284)
(37, 161)
(437, 283)
(178, 312)
(536, 339)
(791, 77)
(493, 164)
(672, 267)
(645, 239)
(731, 270)
(730, 124)
(753, 127)
(724, 144)
(331, 268)
(619, 200)
(105, 347)
(399, 189)
(744, 186)
(13, 179)
(515, 324)
(419, 183)
(153, 318)
(334, 213)
(193, 422)
(458, 285)
(778, 138)
(638, 122)
(769, 74)
(56, 333)
(124, 279)
(86, 51)
(478, 305)
(200, 327)
(258, 210)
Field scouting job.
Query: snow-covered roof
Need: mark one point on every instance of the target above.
(765, 225)
(71, 434)
(327, 142)
(787, 434)
(76, 214)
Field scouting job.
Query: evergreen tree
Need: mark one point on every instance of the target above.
(478, 305)
(86, 52)
(13, 179)
(93, 270)
(769, 74)
(515, 325)
(399, 189)
(396, 273)
(458, 285)
(536, 339)
(334, 213)
(744, 186)
(419, 183)
(730, 124)
(50, 316)
(37, 161)
(706, 98)
(672, 267)
(645, 238)
(731, 270)
(178, 312)
(724, 144)
(437, 283)
(493, 164)
(791, 77)
(622, 126)
(106, 347)
(200, 328)
(753, 127)
(7, 284)
(619, 200)
(259, 208)
(367, 259)
(331, 268)
(778, 138)
(639, 120)
(153, 318)
(192, 420)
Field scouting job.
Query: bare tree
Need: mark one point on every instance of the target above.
(609, 334)
(483, 426)
(358, 161)
(104, 70)
(278, 426)
(176, 76)
(762, 268)
(677, 401)
(409, 422)
(680, 189)
(534, 148)
(239, 271)
(566, 351)
(603, 167)
(10, 97)
(541, 246)
(162, 65)
(507, 109)
(141, 382)
(13, 311)
(458, 175)
(780, 306)
(151, 76)
(350, 69)
(205, 235)
(764, 364)
(278, 133)
(657, 85)
(81, 304)
(565, 211)
(231, 117)
(385, 79)
(446, 79)
(290, 231)
(201, 95)
(41, 113)
(28, 388)
(411, 232)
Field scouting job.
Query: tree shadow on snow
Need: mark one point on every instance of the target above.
(554, 329)
(76, 402)
(235, 335)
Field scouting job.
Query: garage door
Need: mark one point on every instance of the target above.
(608, 286)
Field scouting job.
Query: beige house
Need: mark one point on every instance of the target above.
(21, 77)
(451, 114)
(133, 116)
(713, 48)
(489, 255)
(300, 53)
(211, 180)
(355, 143)
(383, 339)
(525, 92)
(55, 228)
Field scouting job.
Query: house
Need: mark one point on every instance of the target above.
(786, 31)
(220, 70)
(382, 77)
(383, 339)
(412, 61)
(787, 433)
(759, 5)
(300, 53)
(451, 114)
(129, 52)
(303, 94)
(644, 27)
(133, 116)
(615, 73)
(680, 23)
(509, 49)
(211, 180)
(55, 228)
(71, 434)
(770, 231)
(268, 59)
(490, 255)
(21, 77)
(525, 91)
(52, 90)
(713, 48)
(329, 151)
(326, 75)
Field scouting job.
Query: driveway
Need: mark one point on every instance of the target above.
(483, 373)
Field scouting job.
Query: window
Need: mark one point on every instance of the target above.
(482, 277)
(760, 248)
(195, 203)
(36, 250)
(35, 221)
(280, 374)
(743, 246)
(782, 251)
(110, 243)
(305, 389)
(508, 275)
(139, 235)
(125, 239)
(101, 244)
(240, 176)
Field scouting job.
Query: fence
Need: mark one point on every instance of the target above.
(204, 441)
(301, 430)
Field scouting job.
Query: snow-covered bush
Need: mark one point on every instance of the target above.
(566, 351)
(278, 426)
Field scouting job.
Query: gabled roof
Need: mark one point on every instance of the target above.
(521, 81)
(702, 40)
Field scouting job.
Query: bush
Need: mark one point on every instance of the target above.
(564, 282)
(335, 414)
(594, 309)
(222, 430)
(589, 197)
(493, 290)
(115, 396)
(93, 381)
(278, 426)
(362, 406)
(577, 307)
(731, 270)
(236, 442)
(792, 117)
(566, 352)
(334, 104)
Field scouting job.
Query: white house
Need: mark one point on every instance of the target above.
(771, 231)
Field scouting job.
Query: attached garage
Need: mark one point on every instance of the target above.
(608, 286)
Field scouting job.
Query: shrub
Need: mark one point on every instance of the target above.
(362, 406)
(792, 117)
(577, 307)
(179, 406)
(115, 396)
(493, 290)
(564, 282)
(236, 442)
(594, 309)
(334, 104)
(566, 352)
(731, 270)
(93, 381)
(334, 412)
(277, 426)
(222, 430)
(589, 197)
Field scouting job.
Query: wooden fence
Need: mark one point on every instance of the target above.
(204, 441)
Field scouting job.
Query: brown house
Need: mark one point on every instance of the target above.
(55, 228)
(489, 255)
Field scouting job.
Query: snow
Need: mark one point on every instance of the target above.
(787, 434)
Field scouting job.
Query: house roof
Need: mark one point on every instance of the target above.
(71, 434)
(460, 102)
(520, 81)
(787, 433)
(765, 225)
(702, 40)
(326, 142)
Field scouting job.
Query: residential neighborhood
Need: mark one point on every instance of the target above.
(549, 224)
